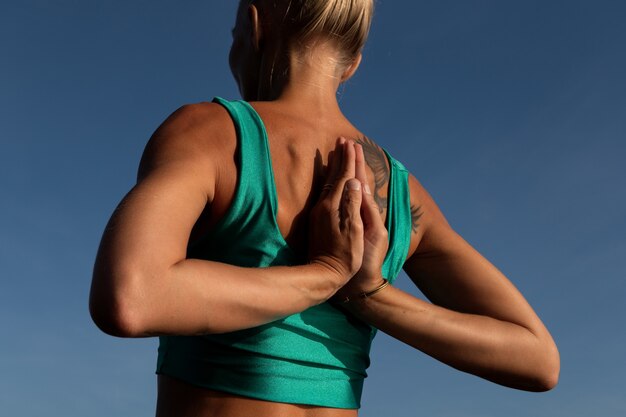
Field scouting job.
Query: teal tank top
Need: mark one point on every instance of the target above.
(316, 357)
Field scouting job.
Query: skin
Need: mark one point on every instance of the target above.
(143, 285)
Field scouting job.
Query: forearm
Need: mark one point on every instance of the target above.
(200, 297)
(500, 351)
(210, 297)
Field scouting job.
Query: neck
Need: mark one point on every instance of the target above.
(308, 79)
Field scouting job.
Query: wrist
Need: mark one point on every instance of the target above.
(366, 280)
(367, 292)
(325, 280)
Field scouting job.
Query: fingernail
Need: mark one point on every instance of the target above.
(354, 185)
(366, 187)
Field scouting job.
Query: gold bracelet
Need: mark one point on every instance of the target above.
(366, 294)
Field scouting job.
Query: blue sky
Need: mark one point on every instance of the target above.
(512, 115)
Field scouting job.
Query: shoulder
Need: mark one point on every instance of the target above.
(194, 133)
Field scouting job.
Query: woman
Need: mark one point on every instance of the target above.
(265, 284)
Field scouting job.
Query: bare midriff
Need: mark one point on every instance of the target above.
(179, 399)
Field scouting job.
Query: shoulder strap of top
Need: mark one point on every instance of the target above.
(255, 180)
(398, 219)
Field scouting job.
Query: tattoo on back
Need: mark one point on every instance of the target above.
(377, 161)
(416, 213)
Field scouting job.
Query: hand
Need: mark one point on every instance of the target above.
(375, 238)
(336, 229)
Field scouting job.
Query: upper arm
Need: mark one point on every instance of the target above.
(454, 275)
(150, 228)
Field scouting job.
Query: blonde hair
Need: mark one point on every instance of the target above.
(345, 23)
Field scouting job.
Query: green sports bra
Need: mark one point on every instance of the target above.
(316, 357)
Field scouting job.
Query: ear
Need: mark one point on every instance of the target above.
(255, 26)
(349, 72)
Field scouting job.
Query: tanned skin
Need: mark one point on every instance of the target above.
(143, 284)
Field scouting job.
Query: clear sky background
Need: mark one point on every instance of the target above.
(511, 113)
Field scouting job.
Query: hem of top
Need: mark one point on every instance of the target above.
(245, 394)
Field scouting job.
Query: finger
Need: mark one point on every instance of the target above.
(361, 174)
(335, 159)
(347, 172)
(369, 207)
(369, 210)
(338, 155)
(359, 160)
(349, 160)
(351, 206)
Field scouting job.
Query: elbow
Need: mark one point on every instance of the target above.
(115, 321)
(546, 376)
(116, 313)
(540, 379)
(550, 381)
(544, 381)
(538, 372)
(549, 377)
